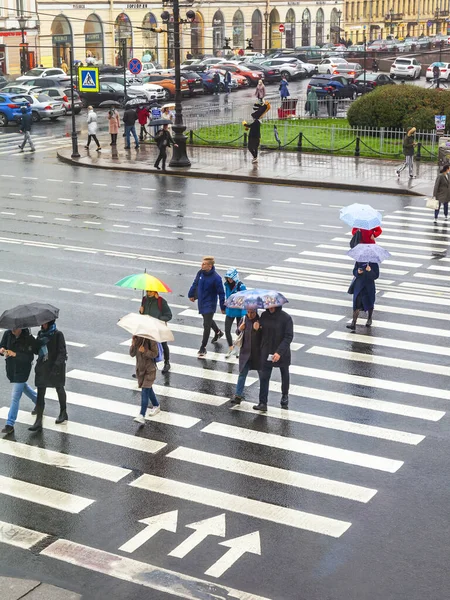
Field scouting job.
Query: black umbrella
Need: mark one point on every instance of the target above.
(28, 315)
(156, 122)
(137, 101)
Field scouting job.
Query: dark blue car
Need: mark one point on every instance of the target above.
(327, 84)
(9, 110)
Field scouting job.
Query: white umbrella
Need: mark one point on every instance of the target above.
(146, 327)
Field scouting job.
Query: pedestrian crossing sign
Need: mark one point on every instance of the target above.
(88, 80)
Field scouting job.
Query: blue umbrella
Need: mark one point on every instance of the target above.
(366, 253)
(362, 216)
(254, 299)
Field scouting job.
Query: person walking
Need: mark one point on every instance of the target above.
(216, 81)
(17, 347)
(206, 288)
(250, 352)
(260, 92)
(92, 128)
(163, 140)
(312, 101)
(156, 306)
(374, 66)
(113, 125)
(442, 191)
(26, 123)
(254, 138)
(50, 371)
(227, 82)
(277, 335)
(129, 118)
(368, 235)
(232, 285)
(145, 351)
(408, 150)
(332, 104)
(64, 66)
(364, 291)
(284, 88)
(143, 114)
(436, 76)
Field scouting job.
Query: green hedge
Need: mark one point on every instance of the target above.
(400, 107)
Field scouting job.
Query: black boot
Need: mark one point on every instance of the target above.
(352, 325)
(284, 401)
(166, 367)
(38, 423)
(369, 318)
(62, 417)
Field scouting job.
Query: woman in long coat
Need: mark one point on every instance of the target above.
(114, 125)
(50, 371)
(442, 191)
(284, 89)
(145, 352)
(364, 291)
(250, 354)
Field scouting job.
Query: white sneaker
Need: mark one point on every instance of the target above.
(153, 411)
(140, 419)
(229, 353)
(255, 160)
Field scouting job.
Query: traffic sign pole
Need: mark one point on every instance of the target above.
(75, 153)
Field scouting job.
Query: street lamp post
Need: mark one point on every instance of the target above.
(339, 16)
(392, 21)
(266, 31)
(75, 153)
(22, 24)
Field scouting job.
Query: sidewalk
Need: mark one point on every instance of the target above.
(274, 167)
(16, 589)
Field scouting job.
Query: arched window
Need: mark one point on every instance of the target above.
(306, 28)
(218, 27)
(93, 39)
(275, 35)
(320, 20)
(149, 37)
(62, 39)
(238, 30)
(289, 28)
(123, 34)
(197, 27)
(257, 30)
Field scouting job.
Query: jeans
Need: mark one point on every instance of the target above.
(130, 129)
(17, 390)
(228, 326)
(208, 324)
(264, 379)
(242, 378)
(27, 138)
(436, 212)
(148, 395)
(409, 162)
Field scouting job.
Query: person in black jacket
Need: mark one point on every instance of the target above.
(50, 371)
(163, 140)
(277, 334)
(254, 138)
(25, 128)
(17, 347)
(129, 119)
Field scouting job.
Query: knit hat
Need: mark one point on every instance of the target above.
(232, 274)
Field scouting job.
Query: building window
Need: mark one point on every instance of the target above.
(320, 19)
(289, 28)
(218, 27)
(306, 28)
(238, 30)
(257, 30)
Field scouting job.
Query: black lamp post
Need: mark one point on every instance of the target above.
(179, 156)
(75, 153)
(22, 24)
(266, 31)
(392, 20)
(339, 16)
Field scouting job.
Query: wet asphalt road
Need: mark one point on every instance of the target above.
(365, 414)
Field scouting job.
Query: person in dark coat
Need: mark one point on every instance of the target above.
(26, 122)
(17, 347)
(163, 140)
(442, 191)
(50, 371)
(129, 119)
(145, 352)
(156, 306)
(206, 288)
(409, 144)
(277, 335)
(254, 138)
(364, 291)
(250, 354)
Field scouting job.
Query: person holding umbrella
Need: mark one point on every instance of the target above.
(163, 140)
(145, 351)
(364, 291)
(156, 306)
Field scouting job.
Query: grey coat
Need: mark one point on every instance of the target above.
(145, 364)
(251, 346)
(442, 188)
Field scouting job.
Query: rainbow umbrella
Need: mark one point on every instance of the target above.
(143, 281)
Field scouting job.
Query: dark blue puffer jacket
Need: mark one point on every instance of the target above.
(207, 286)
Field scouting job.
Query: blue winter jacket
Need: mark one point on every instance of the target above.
(239, 287)
(207, 286)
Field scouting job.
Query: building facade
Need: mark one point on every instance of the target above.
(18, 47)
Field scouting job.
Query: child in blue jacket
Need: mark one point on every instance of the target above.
(232, 285)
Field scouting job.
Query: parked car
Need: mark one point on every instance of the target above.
(289, 67)
(350, 70)
(383, 46)
(15, 88)
(408, 68)
(168, 83)
(252, 76)
(194, 81)
(41, 105)
(328, 65)
(41, 72)
(136, 87)
(109, 91)
(3, 81)
(370, 81)
(147, 69)
(444, 71)
(209, 62)
(270, 74)
(44, 82)
(9, 109)
(64, 96)
(326, 84)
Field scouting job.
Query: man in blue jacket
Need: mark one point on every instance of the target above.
(206, 288)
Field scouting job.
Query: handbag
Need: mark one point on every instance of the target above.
(432, 203)
(239, 340)
(356, 239)
(351, 287)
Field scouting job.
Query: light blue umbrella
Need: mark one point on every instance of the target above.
(362, 216)
(365, 253)
(253, 299)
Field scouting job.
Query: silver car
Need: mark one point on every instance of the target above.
(63, 95)
(42, 106)
(290, 68)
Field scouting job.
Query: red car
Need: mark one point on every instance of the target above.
(252, 76)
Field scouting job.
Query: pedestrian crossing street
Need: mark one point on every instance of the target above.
(9, 143)
(361, 407)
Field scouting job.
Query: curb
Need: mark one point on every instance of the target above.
(333, 185)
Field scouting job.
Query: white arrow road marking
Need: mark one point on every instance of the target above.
(213, 526)
(237, 548)
(167, 521)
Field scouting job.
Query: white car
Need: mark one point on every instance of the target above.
(444, 71)
(147, 69)
(328, 66)
(289, 67)
(209, 62)
(40, 72)
(150, 90)
(408, 68)
(309, 67)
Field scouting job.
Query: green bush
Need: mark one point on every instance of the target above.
(399, 107)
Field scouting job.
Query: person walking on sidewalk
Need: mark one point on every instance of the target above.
(254, 138)
(145, 352)
(232, 285)
(114, 125)
(277, 335)
(408, 150)
(156, 306)
(92, 128)
(26, 123)
(50, 371)
(284, 88)
(250, 353)
(163, 140)
(364, 292)
(129, 119)
(17, 347)
(442, 191)
(143, 114)
(206, 288)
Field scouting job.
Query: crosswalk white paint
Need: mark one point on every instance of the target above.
(395, 253)
(316, 285)
(333, 255)
(390, 343)
(44, 496)
(413, 298)
(296, 479)
(243, 506)
(20, 537)
(294, 312)
(327, 264)
(272, 440)
(404, 246)
(433, 331)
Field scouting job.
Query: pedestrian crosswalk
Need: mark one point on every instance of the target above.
(9, 143)
(361, 407)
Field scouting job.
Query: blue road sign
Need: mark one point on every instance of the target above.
(88, 80)
(135, 66)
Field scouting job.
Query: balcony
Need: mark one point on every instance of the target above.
(440, 14)
(393, 17)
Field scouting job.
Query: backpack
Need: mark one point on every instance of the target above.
(160, 356)
(356, 239)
